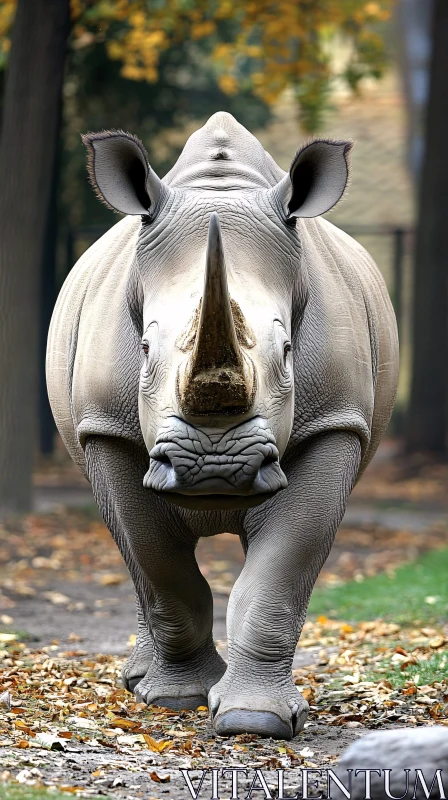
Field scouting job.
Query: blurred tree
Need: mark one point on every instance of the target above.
(427, 424)
(30, 127)
(128, 58)
(271, 45)
(97, 95)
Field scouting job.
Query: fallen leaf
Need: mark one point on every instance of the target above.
(127, 739)
(50, 742)
(157, 746)
(56, 598)
(345, 628)
(22, 726)
(308, 695)
(8, 637)
(112, 579)
(159, 778)
(124, 724)
(5, 700)
(81, 722)
(436, 642)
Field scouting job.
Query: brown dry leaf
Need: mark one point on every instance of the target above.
(437, 641)
(157, 746)
(112, 579)
(309, 695)
(159, 778)
(124, 724)
(56, 598)
(21, 725)
(22, 744)
(346, 628)
(409, 690)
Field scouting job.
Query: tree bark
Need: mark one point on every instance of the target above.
(27, 151)
(428, 410)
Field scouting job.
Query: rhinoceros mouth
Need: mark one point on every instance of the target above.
(216, 502)
(194, 468)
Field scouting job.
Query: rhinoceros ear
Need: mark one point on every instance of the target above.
(118, 169)
(317, 178)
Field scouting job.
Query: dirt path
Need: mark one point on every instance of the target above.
(59, 591)
(63, 582)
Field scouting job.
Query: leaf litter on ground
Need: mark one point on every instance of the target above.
(365, 675)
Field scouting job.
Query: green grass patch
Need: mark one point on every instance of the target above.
(434, 669)
(15, 791)
(10, 636)
(416, 594)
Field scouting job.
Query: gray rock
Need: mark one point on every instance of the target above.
(424, 749)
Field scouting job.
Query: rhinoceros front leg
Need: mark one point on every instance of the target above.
(174, 601)
(288, 541)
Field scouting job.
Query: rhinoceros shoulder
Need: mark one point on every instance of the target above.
(347, 369)
(85, 343)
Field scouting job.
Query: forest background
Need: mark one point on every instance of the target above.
(159, 70)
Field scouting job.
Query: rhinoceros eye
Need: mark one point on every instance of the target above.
(286, 350)
(145, 348)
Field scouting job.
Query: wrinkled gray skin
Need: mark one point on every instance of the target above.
(266, 379)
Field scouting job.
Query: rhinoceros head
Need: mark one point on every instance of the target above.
(217, 292)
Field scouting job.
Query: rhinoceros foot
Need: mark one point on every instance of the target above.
(138, 663)
(281, 714)
(181, 684)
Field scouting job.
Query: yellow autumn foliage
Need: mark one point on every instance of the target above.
(272, 44)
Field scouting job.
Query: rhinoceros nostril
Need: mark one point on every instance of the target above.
(163, 458)
(268, 460)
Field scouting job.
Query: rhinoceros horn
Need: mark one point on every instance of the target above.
(219, 377)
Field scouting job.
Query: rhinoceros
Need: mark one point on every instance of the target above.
(222, 359)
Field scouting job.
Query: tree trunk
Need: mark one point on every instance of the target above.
(427, 416)
(27, 151)
(47, 298)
